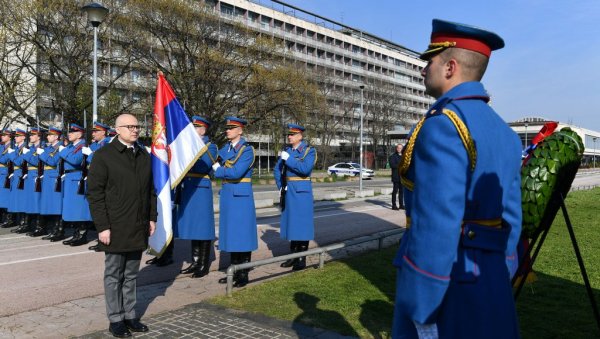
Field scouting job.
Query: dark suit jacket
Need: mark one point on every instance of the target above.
(394, 165)
(121, 196)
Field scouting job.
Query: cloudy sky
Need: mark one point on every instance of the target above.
(549, 68)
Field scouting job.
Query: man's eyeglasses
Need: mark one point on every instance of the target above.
(132, 128)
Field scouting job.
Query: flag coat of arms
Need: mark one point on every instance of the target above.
(175, 148)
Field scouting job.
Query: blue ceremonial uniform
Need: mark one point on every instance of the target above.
(297, 217)
(94, 146)
(237, 222)
(456, 259)
(75, 206)
(17, 201)
(195, 214)
(4, 192)
(32, 197)
(51, 201)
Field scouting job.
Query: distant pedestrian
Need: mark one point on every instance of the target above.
(397, 190)
(292, 174)
(123, 207)
(461, 170)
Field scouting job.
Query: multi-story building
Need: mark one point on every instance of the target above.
(354, 69)
(343, 59)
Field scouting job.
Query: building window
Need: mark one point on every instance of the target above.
(226, 9)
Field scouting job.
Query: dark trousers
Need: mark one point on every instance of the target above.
(120, 278)
(397, 191)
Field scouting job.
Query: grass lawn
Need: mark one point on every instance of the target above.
(354, 297)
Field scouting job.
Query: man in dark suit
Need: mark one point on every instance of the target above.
(394, 165)
(123, 207)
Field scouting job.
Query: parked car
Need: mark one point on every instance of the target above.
(349, 169)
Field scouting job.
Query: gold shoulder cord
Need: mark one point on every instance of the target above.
(306, 153)
(230, 163)
(465, 137)
(213, 160)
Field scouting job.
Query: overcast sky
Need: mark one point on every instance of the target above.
(549, 68)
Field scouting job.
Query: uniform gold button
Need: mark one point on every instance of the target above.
(471, 234)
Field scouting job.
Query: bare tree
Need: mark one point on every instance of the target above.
(60, 63)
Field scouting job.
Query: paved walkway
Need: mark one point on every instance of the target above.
(177, 309)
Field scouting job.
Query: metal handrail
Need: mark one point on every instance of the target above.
(319, 250)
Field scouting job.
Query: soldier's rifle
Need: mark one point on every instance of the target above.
(10, 172)
(283, 190)
(61, 161)
(40, 166)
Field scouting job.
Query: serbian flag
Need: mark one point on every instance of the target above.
(175, 148)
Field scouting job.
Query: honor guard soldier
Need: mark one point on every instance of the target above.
(52, 198)
(5, 140)
(292, 175)
(194, 218)
(32, 195)
(237, 214)
(461, 175)
(100, 138)
(75, 207)
(17, 203)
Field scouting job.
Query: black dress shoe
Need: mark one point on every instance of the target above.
(95, 248)
(395, 208)
(119, 330)
(135, 325)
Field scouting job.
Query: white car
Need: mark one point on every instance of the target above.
(349, 169)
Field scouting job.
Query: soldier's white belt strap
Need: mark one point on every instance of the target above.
(49, 167)
(229, 181)
(298, 179)
(32, 168)
(2, 165)
(494, 223)
(197, 175)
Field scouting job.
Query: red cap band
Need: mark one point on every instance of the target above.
(461, 42)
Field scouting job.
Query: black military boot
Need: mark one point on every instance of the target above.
(242, 278)
(293, 249)
(82, 238)
(75, 236)
(235, 259)
(9, 222)
(51, 223)
(195, 258)
(203, 266)
(60, 230)
(301, 263)
(40, 226)
(24, 225)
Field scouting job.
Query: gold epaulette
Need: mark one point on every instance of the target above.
(463, 133)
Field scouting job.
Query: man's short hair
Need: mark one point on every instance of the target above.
(473, 64)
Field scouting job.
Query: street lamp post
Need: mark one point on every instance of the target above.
(360, 185)
(594, 139)
(96, 14)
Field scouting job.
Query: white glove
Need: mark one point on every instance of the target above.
(215, 166)
(285, 155)
(39, 151)
(10, 150)
(148, 149)
(25, 150)
(61, 147)
(86, 150)
(427, 331)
